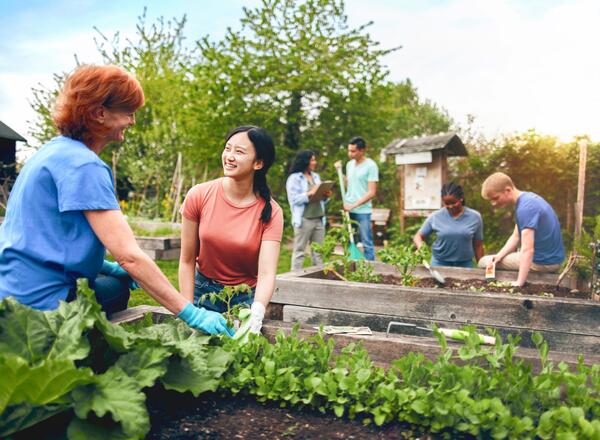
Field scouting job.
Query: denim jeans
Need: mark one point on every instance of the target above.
(436, 262)
(366, 234)
(204, 285)
(112, 293)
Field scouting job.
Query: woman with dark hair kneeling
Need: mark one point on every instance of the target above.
(62, 213)
(232, 229)
(308, 216)
(459, 231)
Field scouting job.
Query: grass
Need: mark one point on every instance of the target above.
(170, 268)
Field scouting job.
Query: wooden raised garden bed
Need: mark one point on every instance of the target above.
(382, 347)
(569, 325)
(165, 246)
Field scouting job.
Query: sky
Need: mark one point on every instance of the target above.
(512, 64)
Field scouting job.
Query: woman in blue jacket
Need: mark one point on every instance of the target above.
(308, 216)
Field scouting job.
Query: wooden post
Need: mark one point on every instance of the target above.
(400, 172)
(580, 188)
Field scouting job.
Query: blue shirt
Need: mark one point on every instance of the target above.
(359, 176)
(296, 187)
(46, 242)
(455, 236)
(533, 212)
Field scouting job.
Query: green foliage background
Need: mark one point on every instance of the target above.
(299, 70)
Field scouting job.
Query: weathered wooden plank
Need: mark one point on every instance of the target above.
(558, 341)
(483, 309)
(163, 254)
(136, 313)
(385, 350)
(158, 242)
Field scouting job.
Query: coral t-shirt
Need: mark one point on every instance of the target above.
(230, 235)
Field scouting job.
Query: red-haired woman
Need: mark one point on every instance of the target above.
(62, 212)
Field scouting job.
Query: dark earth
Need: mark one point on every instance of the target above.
(476, 286)
(473, 285)
(210, 416)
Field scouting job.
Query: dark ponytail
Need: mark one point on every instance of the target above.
(265, 151)
(454, 189)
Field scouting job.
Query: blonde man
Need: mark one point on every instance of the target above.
(537, 229)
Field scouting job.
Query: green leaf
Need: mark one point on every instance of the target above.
(116, 394)
(47, 383)
(145, 363)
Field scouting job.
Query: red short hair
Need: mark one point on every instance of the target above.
(89, 87)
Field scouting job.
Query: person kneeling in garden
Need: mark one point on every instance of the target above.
(63, 214)
(537, 229)
(459, 231)
(232, 228)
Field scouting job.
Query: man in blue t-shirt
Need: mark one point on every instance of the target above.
(537, 229)
(362, 176)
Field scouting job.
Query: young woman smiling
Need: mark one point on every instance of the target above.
(231, 230)
(459, 231)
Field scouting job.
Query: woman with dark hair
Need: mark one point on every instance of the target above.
(458, 229)
(232, 228)
(308, 216)
(62, 213)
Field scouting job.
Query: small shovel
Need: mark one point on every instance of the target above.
(457, 335)
(434, 273)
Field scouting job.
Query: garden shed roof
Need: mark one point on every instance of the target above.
(8, 133)
(444, 141)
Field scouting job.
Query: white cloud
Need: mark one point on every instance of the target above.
(513, 68)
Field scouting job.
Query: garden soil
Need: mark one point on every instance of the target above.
(211, 416)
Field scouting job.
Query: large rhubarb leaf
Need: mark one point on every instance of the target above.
(29, 394)
(197, 374)
(35, 335)
(114, 394)
(18, 417)
(145, 363)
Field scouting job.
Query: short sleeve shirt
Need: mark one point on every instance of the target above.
(455, 236)
(46, 242)
(359, 176)
(533, 212)
(230, 235)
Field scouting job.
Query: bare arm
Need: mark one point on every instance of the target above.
(267, 269)
(527, 245)
(190, 244)
(510, 246)
(112, 230)
(418, 240)
(371, 192)
(478, 248)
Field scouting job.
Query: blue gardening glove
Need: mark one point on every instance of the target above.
(113, 269)
(201, 319)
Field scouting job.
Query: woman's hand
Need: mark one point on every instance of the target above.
(208, 321)
(311, 192)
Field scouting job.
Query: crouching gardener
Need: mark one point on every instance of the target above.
(232, 228)
(537, 230)
(62, 213)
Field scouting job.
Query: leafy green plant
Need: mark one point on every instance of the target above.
(226, 295)
(73, 358)
(405, 258)
(359, 271)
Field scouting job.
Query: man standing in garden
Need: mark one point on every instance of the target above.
(362, 176)
(537, 229)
